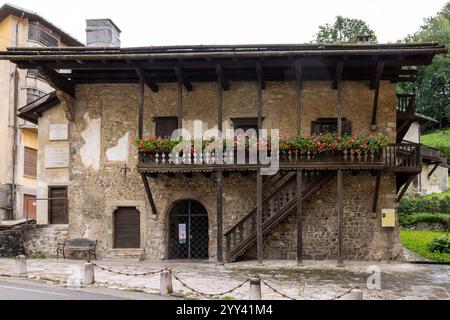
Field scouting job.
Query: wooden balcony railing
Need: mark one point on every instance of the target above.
(401, 157)
(406, 103)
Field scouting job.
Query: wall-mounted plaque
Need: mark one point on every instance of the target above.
(56, 157)
(59, 132)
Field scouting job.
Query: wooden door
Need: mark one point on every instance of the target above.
(29, 207)
(58, 209)
(127, 228)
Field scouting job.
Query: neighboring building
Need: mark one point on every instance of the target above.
(434, 175)
(18, 138)
(142, 204)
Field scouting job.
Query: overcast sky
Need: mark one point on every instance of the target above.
(172, 22)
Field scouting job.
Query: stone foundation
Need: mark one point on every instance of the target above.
(44, 239)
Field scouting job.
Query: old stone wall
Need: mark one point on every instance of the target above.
(101, 137)
(11, 241)
(364, 238)
(44, 239)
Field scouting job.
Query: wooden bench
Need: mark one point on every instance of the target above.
(85, 245)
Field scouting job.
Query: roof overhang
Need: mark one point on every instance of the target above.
(32, 111)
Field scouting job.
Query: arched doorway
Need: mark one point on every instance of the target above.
(188, 227)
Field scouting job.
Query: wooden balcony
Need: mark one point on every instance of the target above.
(395, 157)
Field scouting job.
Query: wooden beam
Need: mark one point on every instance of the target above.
(219, 97)
(149, 194)
(180, 101)
(259, 88)
(379, 71)
(298, 74)
(340, 217)
(57, 81)
(141, 108)
(183, 79)
(219, 209)
(299, 217)
(405, 187)
(259, 214)
(433, 170)
(140, 73)
(339, 71)
(376, 192)
(223, 79)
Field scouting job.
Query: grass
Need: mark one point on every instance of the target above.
(439, 139)
(417, 241)
(38, 255)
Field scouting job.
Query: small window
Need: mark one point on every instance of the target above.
(165, 126)
(30, 163)
(34, 94)
(58, 205)
(245, 123)
(329, 125)
(39, 34)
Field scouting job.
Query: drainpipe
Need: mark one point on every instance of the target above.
(16, 107)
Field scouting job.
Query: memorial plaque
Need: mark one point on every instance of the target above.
(56, 157)
(59, 132)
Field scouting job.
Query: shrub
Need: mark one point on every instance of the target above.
(441, 245)
(38, 255)
(412, 219)
(411, 205)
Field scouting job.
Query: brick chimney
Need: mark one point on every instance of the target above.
(102, 33)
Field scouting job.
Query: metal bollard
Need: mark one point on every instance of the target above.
(21, 265)
(354, 295)
(255, 289)
(166, 283)
(89, 274)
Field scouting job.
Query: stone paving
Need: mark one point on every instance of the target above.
(315, 280)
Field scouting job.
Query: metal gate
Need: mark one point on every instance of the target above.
(189, 236)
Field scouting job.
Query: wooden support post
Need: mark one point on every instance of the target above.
(376, 193)
(57, 81)
(405, 187)
(219, 206)
(298, 76)
(433, 170)
(219, 97)
(376, 86)
(299, 217)
(259, 214)
(180, 100)
(259, 94)
(340, 216)
(141, 108)
(149, 193)
(339, 70)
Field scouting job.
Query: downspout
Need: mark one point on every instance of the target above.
(15, 109)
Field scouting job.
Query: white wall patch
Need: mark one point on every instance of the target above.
(90, 152)
(120, 151)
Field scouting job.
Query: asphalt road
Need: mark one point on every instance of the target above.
(35, 290)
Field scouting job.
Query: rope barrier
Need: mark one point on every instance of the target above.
(277, 291)
(207, 294)
(345, 293)
(184, 284)
(149, 273)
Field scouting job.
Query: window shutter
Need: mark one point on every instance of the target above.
(346, 127)
(315, 127)
(165, 126)
(30, 162)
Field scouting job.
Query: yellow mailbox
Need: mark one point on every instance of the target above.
(389, 218)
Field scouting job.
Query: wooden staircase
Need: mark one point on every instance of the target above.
(279, 201)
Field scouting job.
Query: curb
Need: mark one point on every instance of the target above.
(430, 263)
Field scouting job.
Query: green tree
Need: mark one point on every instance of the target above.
(433, 82)
(344, 30)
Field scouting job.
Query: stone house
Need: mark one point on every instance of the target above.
(18, 137)
(434, 175)
(148, 205)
